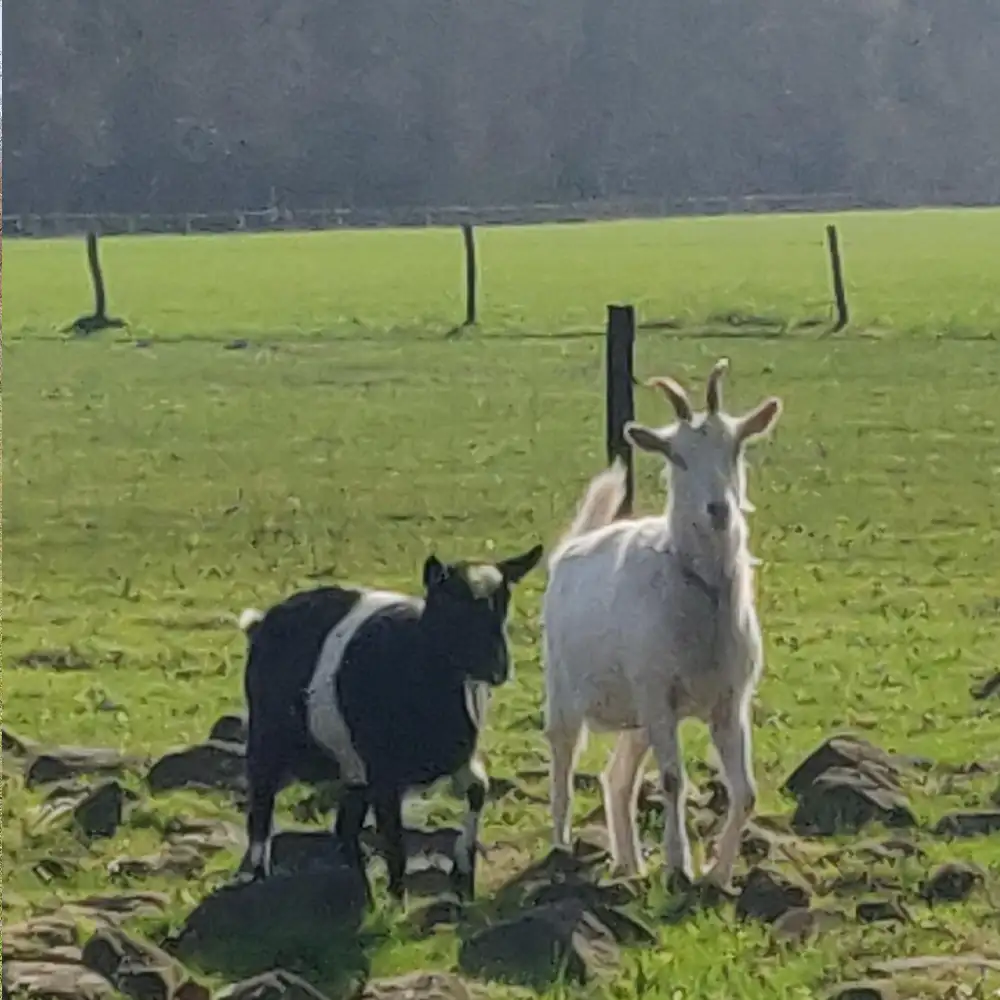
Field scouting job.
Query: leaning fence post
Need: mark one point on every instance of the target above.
(470, 274)
(620, 403)
(836, 266)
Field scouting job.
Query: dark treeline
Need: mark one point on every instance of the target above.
(191, 105)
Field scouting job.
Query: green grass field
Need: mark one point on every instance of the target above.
(153, 491)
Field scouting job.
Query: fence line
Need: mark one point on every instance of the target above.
(274, 219)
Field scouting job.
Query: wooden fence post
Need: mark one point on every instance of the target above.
(840, 296)
(469, 237)
(620, 403)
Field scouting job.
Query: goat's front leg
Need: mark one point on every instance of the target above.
(471, 782)
(664, 735)
(620, 783)
(389, 822)
(351, 815)
(730, 728)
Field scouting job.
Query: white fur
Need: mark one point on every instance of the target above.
(250, 617)
(326, 723)
(652, 620)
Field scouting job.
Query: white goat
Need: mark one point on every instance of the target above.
(652, 620)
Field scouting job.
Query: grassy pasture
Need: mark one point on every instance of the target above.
(151, 493)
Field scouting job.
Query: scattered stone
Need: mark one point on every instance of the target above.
(987, 688)
(229, 729)
(936, 963)
(878, 911)
(868, 989)
(306, 908)
(767, 894)
(844, 801)
(53, 659)
(15, 744)
(801, 923)
(274, 985)
(240, 344)
(137, 968)
(418, 986)
(54, 869)
(973, 823)
(184, 860)
(114, 909)
(209, 836)
(952, 882)
(844, 752)
(425, 920)
(101, 810)
(863, 880)
(557, 867)
(539, 947)
(60, 763)
(41, 939)
(207, 766)
(54, 981)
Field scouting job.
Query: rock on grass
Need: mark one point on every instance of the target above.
(139, 969)
(54, 981)
(767, 895)
(214, 765)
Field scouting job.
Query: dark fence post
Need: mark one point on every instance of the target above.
(470, 274)
(840, 296)
(620, 406)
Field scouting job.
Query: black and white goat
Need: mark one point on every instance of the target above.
(383, 690)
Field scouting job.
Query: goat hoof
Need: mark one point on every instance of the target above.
(679, 883)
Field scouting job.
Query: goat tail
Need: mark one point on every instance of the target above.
(600, 504)
(250, 618)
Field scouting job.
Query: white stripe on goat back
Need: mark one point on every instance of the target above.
(326, 721)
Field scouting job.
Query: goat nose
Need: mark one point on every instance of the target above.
(718, 511)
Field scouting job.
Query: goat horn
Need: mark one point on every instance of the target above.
(713, 392)
(677, 396)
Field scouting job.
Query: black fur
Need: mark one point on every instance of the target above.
(401, 688)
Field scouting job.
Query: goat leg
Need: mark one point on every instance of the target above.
(389, 824)
(351, 815)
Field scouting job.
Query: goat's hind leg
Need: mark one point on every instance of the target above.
(730, 729)
(620, 783)
(351, 813)
(389, 822)
(266, 761)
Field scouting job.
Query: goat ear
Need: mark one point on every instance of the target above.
(520, 566)
(759, 421)
(646, 439)
(435, 572)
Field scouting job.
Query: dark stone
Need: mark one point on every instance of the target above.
(295, 852)
(869, 989)
(418, 986)
(301, 911)
(207, 766)
(208, 836)
(766, 895)
(425, 920)
(844, 801)
(539, 947)
(54, 981)
(844, 752)
(100, 812)
(137, 968)
(879, 911)
(973, 823)
(229, 729)
(60, 763)
(952, 882)
(274, 985)
(990, 686)
(557, 867)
